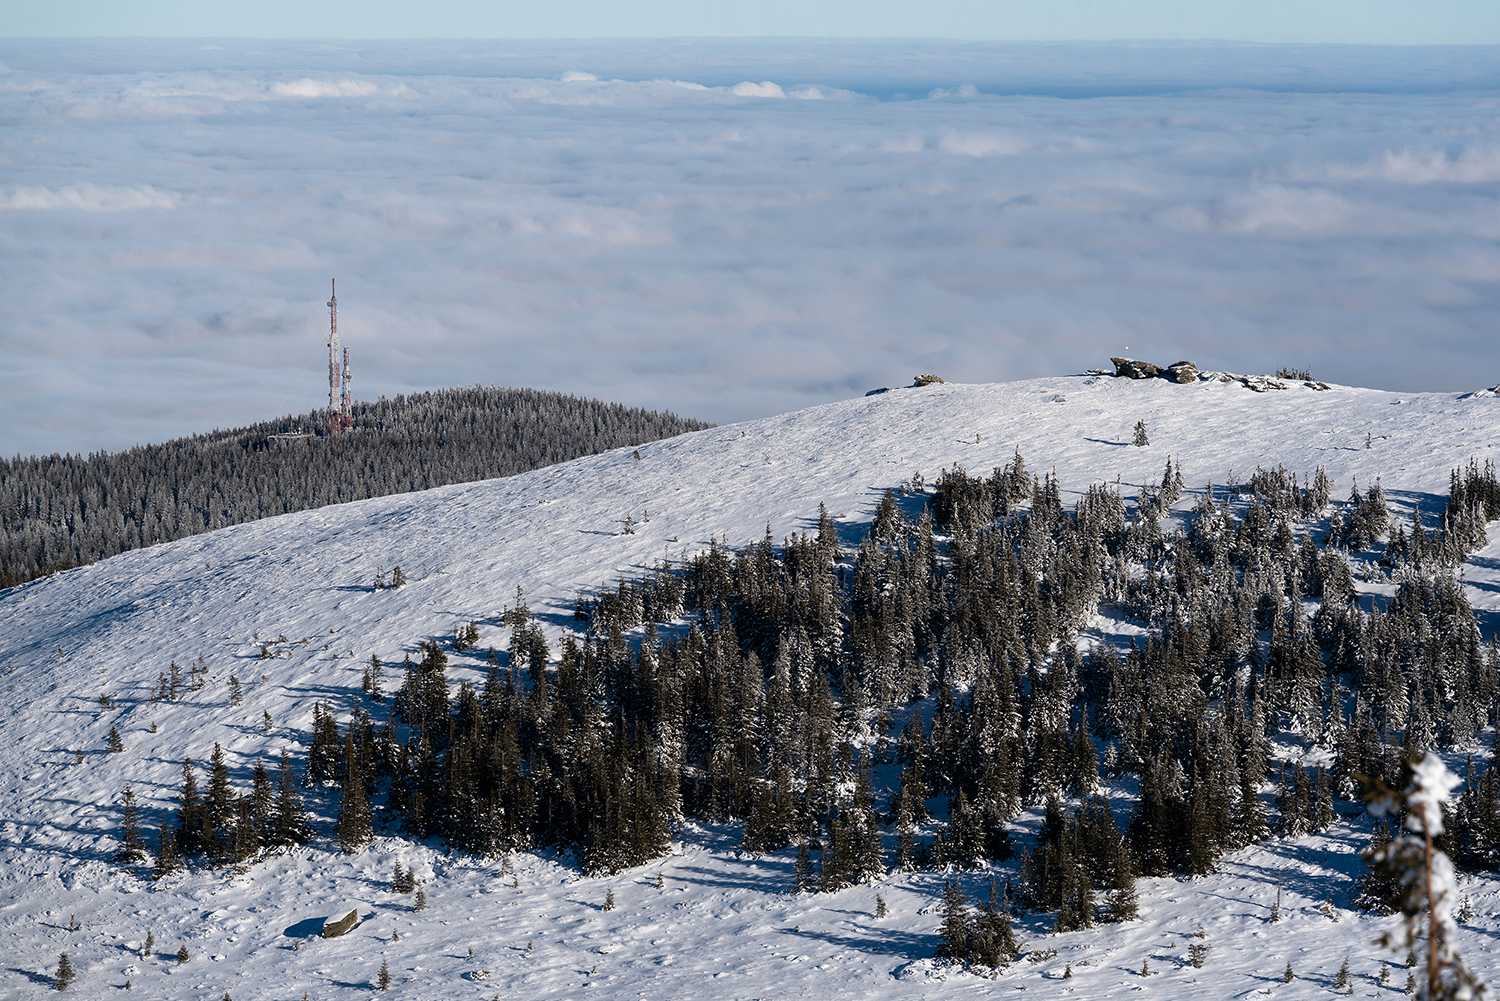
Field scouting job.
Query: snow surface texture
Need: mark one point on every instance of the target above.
(721, 926)
(723, 229)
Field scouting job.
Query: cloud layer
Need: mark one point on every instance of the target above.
(724, 231)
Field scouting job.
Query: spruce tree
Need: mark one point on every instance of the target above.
(190, 814)
(354, 823)
(167, 860)
(803, 868)
(132, 843)
(218, 809)
(116, 742)
(954, 930)
(289, 826)
(64, 972)
(383, 980)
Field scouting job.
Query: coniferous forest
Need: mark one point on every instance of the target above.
(62, 511)
(769, 685)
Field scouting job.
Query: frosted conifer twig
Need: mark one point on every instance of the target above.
(1423, 872)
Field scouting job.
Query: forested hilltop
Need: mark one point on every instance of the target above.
(62, 511)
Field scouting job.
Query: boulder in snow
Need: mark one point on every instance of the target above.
(1183, 372)
(1129, 368)
(341, 923)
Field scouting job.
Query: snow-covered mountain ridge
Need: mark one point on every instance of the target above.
(301, 585)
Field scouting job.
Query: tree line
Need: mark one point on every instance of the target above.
(62, 511)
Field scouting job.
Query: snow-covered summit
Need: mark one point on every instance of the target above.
(287, 606)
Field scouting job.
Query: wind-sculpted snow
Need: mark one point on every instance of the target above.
(727, 230)
(720, 925)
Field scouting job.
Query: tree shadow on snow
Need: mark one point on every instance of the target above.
(776, 881)
(880, 940)
(37, 978)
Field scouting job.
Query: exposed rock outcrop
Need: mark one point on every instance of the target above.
(1183, 372)
(927, 379)
(1129, 368)
(1261, 383)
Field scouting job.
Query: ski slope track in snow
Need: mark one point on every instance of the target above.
(721, 925)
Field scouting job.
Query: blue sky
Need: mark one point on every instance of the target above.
(1325, 21)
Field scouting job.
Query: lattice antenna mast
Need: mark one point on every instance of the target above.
(340, 407)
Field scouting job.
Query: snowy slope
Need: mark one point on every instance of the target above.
(721, 926)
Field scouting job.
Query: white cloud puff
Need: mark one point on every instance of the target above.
(993, 144)
(765, 89)
(90, 198)
(308, 87)
(1472, 165)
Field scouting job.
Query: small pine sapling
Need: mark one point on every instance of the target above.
(236, 691)
(1145, 968)
(1287, 976)
(1466, 911)
(879, 906)
(659, 881)
(64, 972)
(183, 955)
(420, 904)
(1385, 972)
(395, 935)
(383, 978)
(609, 900)
(1411, 984)
(1342, 980)
(1141, 441)
(150, 944)
(116, 742)
(1197, 953)
(1068, 972)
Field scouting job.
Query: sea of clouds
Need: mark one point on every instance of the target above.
(724, 228)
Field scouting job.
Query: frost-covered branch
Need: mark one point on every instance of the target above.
(1423, 873)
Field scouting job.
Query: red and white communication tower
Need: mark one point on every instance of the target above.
(340, 410)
